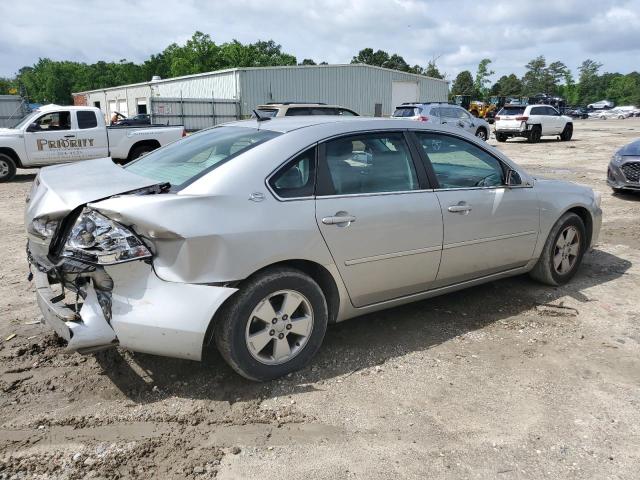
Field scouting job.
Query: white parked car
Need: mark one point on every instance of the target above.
(54, 134)
(602, 104)
(532, 122)
(607, 114)
(444, 114)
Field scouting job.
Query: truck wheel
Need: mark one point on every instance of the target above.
(501, 137)
(273, 325)
(562, 252)
(535, 134)
(7, 168)
(567, 133)
(139, 151)
(481, 133)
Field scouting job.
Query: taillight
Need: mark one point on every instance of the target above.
(524, 119)
(184, 132)
(497, 117)
(423, 118)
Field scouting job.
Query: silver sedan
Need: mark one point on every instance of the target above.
(252, 237)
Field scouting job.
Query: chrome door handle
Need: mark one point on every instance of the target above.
(460, 208)
(340, 220)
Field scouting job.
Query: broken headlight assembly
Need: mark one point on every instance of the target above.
(99, 240)
(43, 227)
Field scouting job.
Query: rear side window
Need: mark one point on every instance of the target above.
(346, 113)
(182, 162)
(539, 111)
(511, 111)
(297, 111)
(297, 178)
(406, 112)
(86, 119)
(369, 163)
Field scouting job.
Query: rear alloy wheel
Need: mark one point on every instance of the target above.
(562, 252)
(535, 134)
(7, 168)
(481, 133)
(273, 325)
(501, 137)
(567, 133)
(140, 151)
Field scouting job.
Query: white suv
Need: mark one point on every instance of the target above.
(532, 122)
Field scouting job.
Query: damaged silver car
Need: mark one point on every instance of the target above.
(253, 236)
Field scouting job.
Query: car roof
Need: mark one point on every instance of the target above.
(295, 105)
(419, 104)
(337, 122)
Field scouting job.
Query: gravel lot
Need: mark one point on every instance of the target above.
(510, 380)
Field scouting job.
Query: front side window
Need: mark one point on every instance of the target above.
(538, 111)
(463, 114)
(297, 178)
(54, 121)
(182, 162)
(370, 163)
(86, 119)
(460, 164)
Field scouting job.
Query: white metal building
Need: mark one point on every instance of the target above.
(366, 89)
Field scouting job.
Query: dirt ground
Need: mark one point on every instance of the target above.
(510, 380)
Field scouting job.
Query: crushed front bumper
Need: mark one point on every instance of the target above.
(147, 314)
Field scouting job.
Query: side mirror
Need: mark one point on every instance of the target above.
(34, 127)
(513, 179)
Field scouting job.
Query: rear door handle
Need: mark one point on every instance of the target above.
(460, 208)
(341, 219)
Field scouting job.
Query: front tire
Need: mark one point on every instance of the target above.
(567, 133)
(7, 168)
(273, 325)
(562, 252)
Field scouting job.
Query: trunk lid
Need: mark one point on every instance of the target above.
(59, 189)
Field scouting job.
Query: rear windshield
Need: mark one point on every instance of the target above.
(512, 111)
(184, 161)
(406, 112)
(266, 112)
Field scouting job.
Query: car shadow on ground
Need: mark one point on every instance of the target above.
(23, 178)
(628, 195)
(360, 343)
(542, 140)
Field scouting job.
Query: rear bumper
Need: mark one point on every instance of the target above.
(147, 314)
(511, 130)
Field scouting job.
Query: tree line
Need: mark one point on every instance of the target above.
(553, 79)
(54, 81)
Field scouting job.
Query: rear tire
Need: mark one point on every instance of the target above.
(241, 319)
(535, 134)
(482, 134)
(567, 133)
(501, 137)
(139, 151)
(7, 168)
(559, 263)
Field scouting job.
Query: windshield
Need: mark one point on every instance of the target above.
(26, 120)
(186, 160)
(512, 111)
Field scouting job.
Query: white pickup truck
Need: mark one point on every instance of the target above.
(54, 134)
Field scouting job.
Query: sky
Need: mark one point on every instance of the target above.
(456, 33)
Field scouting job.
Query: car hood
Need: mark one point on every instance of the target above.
(631, 149)
(59, 189)
(9, 132)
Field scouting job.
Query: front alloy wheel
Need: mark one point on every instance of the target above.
(273, 325)
(279, 327)
(566, 250)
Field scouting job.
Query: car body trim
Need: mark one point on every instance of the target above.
(488, 239)
(385, 256)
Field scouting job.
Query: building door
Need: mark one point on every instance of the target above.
(122, 108)
(141, 104)
(404, 92)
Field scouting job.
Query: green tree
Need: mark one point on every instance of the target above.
(588, 81)
(508, 86)
(463, 84)
(432, 70)
(307, 61)
(534, 79)
(482, 78)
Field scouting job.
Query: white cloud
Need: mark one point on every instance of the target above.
(510, 32)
